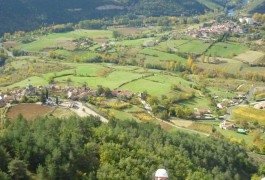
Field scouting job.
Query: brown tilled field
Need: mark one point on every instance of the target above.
(129, 31)
(9, 44)
(29, 111)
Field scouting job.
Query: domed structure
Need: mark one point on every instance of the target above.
(161, 174)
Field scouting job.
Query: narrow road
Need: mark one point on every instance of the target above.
(10, 54)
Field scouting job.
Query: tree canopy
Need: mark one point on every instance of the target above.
(77, 148)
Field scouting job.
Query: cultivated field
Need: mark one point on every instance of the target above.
(250, 57)
(29, 111)
(227, 65)
(248, 114)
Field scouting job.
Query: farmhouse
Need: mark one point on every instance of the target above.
(226, 125)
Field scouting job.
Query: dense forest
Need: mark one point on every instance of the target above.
(31, 14)
(74, 148)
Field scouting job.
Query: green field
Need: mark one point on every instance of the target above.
(113, 80)
(222, 49)
(161, 55)
(156, 85)
(196, 102)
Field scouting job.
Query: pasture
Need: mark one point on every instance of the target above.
(112, 80)
(161, 55)
(195, 46)
(226, 50)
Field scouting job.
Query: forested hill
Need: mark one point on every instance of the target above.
(30, 14)
(74, 148)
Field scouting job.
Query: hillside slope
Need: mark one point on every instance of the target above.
(256, 6)
(30, 14)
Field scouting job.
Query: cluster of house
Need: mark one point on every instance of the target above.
(230, 102)
(215, 29)
(73, 93)
(8, 96)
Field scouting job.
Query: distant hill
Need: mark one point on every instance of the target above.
(256, 6)
(30, 14)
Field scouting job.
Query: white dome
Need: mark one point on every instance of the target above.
(161, 173)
